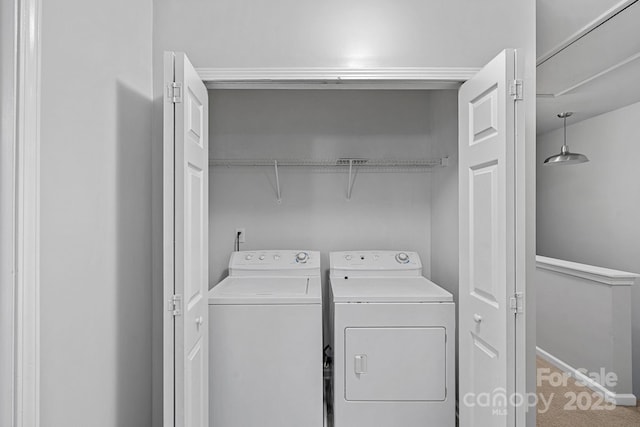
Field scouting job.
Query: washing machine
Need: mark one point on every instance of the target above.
(265, 326)
(393, 334)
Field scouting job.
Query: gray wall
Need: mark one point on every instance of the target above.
(588, 213)
(95, 211)
(444, 192)
(388, 210)
(7, 205)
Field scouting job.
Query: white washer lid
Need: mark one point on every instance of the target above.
(387, 290)
(266, 291)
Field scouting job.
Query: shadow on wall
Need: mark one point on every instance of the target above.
(133, 258)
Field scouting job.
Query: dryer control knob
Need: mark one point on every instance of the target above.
(248, 257)
(302, 257)
(348, 257)
(402, 257)
(261, 257)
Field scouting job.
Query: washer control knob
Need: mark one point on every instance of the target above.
(248, 257)
(261, 257)
(302, 257)
(402, 257)
(348, 257)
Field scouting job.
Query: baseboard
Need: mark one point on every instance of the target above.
(620, 399)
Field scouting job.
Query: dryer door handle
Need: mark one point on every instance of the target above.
(360, 364)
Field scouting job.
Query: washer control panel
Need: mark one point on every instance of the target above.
(365, 262)
(402, 257)
(274, 260)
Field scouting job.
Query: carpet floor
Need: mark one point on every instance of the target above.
(572, 405)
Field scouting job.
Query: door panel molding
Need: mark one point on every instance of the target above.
(27, 216)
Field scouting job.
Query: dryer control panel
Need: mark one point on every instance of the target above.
(375, 263)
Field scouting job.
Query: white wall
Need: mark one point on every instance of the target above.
(95, 213)
(559, 20)
(586, 324)
(388, 210)
(334, 33)
(588, 213)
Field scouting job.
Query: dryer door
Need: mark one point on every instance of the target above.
(395, 364)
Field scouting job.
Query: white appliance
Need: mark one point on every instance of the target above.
(265, 326)
(393, 334)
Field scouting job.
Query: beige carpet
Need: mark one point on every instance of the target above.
(577, 409)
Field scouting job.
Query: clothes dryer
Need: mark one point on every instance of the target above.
(393, 334)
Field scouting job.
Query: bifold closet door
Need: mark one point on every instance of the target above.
(186, 205)
(488, 128)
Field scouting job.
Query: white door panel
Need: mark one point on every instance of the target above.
(487, 236)
(186, 240)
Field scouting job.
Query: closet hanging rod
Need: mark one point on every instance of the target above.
(341, 162)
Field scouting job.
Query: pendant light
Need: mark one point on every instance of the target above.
(565, 157)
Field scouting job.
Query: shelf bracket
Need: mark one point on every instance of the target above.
(351, 180)
(278, 195)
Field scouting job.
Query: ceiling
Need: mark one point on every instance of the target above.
(588, 58)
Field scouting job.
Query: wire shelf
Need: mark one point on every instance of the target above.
(353, 165)
(336, 163)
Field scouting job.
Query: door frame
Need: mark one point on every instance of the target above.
(332, 78)
(168, 225)
(336, 78)
(21, 96)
